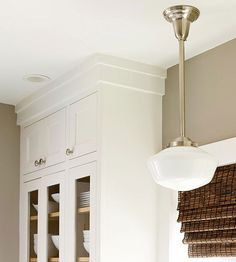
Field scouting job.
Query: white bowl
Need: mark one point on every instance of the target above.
(52, 251)
(55, 240)
(87, 246)
(35, 206)
(56, 197)
(52, 207)
(86, 232)
(36, 248)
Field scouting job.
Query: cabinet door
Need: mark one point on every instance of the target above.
(83, 126)
(33, 146)
(55, 136)
(42, 219)
(52, 211)
(29, 223)
(82, 240)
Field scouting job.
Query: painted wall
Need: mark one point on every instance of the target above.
(211, 108)
(210, 94)
(9, 184)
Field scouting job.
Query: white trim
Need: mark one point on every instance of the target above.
(86, 78)
(224, 151)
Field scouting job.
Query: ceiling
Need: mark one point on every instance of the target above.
(51, 37)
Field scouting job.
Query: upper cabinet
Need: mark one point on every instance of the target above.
(55, 137)
(47, 142)
(44, 142)
(83, 126)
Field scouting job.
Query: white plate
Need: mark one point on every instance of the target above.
(84, 193)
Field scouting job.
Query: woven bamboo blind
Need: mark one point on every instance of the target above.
(208, 216)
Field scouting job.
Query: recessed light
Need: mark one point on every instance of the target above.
(37, 78)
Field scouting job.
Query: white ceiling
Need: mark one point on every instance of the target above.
(51, 37)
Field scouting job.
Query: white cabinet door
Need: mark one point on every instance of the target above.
(38, 225)
(55, 136)
(82, 208)
(53, 217)
(45, 140)
(33, 146)
(29, 222)
(83, 126)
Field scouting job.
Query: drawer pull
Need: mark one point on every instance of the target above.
(36, 163)
(69, 151)
(42, 161)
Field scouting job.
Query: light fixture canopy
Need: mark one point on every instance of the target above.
(37, 78)
(182, 165)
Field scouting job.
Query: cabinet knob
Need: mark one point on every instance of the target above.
(42, 161)
(36, 163)
(69, 151)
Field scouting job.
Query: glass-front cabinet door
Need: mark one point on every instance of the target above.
(29, 222)
(53, 212)
(43, 219)
(83, 209)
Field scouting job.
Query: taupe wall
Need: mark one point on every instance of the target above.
(211, 96)
(9, 184)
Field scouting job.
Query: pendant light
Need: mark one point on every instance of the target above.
(182, 165)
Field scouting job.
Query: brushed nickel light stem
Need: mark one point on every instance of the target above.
(181, 16)
(182, 87)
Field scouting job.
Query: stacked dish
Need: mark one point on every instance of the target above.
(85, 199)
(86, 234)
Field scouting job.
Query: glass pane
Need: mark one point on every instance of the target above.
(83, 218)
(53, 222)
(33, 227)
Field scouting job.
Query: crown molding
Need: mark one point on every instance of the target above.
(86, 77)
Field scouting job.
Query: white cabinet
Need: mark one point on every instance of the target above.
(108, 126)
(44, 220)
(44, 142)
(83, 126)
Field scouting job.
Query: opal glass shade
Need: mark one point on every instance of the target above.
(182, 168)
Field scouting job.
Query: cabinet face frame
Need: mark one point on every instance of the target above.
(75, 174)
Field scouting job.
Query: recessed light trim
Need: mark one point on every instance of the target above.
(37, 78)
